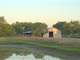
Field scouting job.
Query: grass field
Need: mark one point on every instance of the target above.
(63, 44)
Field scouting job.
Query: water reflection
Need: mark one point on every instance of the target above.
(35, 54)
(30, 57)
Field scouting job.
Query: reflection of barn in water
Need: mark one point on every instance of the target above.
(53, 33)
(28, 32)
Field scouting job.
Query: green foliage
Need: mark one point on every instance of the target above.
(5, 28)
(18, 28)
(37, 28)
(2, 20)
(69, 28)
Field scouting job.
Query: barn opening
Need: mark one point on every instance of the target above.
(50, 34)
(28, 32)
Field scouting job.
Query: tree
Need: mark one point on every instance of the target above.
(2, 20)
(39, 28)
(5, 28)
(60, 26)
(69, 28)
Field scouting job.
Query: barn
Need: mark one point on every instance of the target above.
(53, 33)
(28, 32)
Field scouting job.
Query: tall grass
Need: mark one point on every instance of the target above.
(39, 42)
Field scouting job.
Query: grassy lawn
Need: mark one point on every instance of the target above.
(44, 43)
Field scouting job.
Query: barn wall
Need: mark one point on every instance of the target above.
(46, 35)
(56, 35)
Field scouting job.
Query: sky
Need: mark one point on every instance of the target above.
(46, 11)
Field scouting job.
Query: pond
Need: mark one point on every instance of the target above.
(35, 54)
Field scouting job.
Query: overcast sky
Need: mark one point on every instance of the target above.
(48, 11)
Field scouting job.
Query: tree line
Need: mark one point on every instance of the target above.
(69, 29)
(19, 27)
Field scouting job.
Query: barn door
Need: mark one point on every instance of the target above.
(50, 34)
